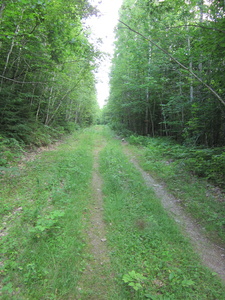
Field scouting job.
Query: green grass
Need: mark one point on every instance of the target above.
(46, 214)
(44, 202)
(145, 241)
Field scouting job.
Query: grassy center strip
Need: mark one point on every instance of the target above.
(97, 281)
(150, 257)
(43, 240)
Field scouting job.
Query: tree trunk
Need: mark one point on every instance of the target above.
(8, 55)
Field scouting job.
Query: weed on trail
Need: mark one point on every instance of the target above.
(150, 257)
(42, 241)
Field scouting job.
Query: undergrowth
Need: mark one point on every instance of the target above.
(208, 163)
(27, 138)
(150, 257)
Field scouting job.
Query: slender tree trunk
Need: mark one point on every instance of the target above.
(148, 96)
(200, 65)
(8, 56)
(49, 103)
(2, 7)
(38, 110)
(77, 114)
(48, 108)
(18, 59)
(164, 119)
(190, 68)
(147, 112)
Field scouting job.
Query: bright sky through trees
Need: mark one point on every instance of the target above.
(102, 28)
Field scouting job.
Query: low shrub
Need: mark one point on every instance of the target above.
(208, 162)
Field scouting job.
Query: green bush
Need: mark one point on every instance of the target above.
(120, 129)
(9, 150)
(208, 163)
(138, 140)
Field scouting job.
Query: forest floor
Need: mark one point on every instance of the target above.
(115, 231)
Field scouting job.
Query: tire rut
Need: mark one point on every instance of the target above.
(97, 277)
(212, 255)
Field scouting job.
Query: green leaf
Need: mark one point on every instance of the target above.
(187, 282)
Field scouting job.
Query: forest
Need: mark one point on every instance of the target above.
(167, 77)
(47, 85)
(166, 80)
(126, 202)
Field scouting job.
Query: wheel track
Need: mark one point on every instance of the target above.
(211, 254)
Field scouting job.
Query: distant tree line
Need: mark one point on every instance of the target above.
(168, 71)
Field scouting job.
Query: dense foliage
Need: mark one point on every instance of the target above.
(167, 76)
(46, 63)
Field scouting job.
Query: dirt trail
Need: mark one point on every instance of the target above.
(211, 254)
(97, 233)
(97, 277)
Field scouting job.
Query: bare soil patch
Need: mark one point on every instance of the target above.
(212, 255)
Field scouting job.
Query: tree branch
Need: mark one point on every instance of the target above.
(22, 82)
(177, 62)
(200, 26)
